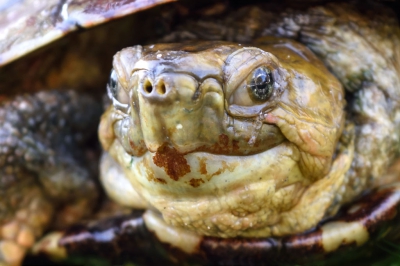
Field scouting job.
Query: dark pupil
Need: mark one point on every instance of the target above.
(261, 83)
(112, 85)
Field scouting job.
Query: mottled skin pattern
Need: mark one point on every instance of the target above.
(44, 174)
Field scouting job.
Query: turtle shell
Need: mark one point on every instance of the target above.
(38, 23)
(50, 64)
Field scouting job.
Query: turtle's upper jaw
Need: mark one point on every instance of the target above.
(181, 111)
(178, 100)
(187, 112)
(241, 131)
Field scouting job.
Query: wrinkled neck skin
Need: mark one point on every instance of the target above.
(225, 139)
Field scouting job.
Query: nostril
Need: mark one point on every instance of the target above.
(161, 88)
(148, 87)
(154, 89)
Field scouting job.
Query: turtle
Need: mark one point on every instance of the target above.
(254, 135)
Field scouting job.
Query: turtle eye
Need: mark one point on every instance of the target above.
(112, 83)
(261, 83)
(253, 82)
(257, 88)
(117, 94)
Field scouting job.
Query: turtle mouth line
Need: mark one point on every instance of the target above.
(199, 167)
(215, 149)
(200, 186)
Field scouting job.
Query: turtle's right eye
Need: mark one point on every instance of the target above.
(117, 94)
(112, 82)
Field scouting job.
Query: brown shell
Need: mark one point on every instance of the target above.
(80, 59)
(28, 25)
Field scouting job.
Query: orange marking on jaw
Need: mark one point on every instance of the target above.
(203, 166)
(151, 177)
(173, 162)
(195, 182)
(224, 140)
(160, 180)
(140, 148)
(225, 166)
(235, 145)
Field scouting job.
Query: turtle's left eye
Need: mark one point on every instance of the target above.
(256, 89)
(116, 93)
(261, 84)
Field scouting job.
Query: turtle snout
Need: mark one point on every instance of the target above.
(168, 88)
(177, 110)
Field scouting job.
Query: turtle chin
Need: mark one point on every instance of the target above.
(215, 194)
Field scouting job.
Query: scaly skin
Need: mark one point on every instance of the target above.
(42, 178)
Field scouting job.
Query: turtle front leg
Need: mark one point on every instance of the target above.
(42, 173)
(24, 214)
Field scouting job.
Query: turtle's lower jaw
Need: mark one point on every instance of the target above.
(228, 196)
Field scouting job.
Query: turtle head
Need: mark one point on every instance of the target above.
(250, 124)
